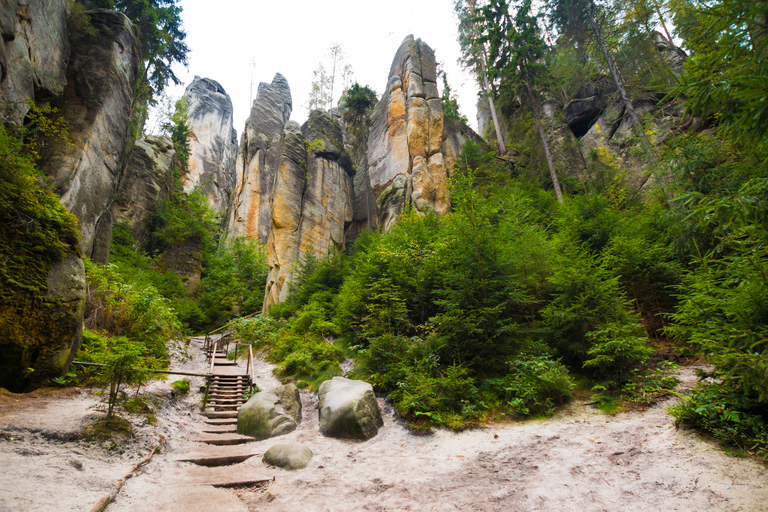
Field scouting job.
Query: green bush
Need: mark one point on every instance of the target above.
(309, 360)
(727, 414)
(120, 306)
(616, 349)
(536, 385)
(181, 386)
(127, 362)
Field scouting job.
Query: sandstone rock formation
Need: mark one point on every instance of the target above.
(147, 178)
(290, 456)
(405, 160)
(33, 55)
(40, 337)
(257, 161)
(96, 103)
(212, 142)
(311, 199)
(348, 409)
(270, 413)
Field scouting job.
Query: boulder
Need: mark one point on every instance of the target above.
(290, 456)
(270, 413)
(212, 142)
(348, 409)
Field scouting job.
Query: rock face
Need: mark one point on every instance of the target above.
(290, 456)
(96, 103)
(185, 258)
(348, 409)
(300, 192)
(46, 333)
(588, 105)
(147, 178)
(311, 202)
(405, 160)
(257, 161)
(270, 413)
(212, 142)
(34, 54)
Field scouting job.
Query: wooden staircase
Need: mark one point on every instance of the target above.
(225, 393)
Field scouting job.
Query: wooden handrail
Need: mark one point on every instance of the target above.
(169, 372)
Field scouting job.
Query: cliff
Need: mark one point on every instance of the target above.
(257, 161)
(97, 104)
(212, 142)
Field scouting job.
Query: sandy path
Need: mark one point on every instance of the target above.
(580, 460)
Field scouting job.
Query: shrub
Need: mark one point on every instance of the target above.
(181, 386)
(727, 414)
(536, 385)
(616, 350)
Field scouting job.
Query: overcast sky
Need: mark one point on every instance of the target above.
(293, 37)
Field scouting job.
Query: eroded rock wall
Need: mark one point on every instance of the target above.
(311, 202)
(34, 54)
(257, 160)
(405, 160)
(212, 142)
(148, 177)
(97, 104)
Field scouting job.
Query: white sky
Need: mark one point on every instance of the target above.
(293, 36)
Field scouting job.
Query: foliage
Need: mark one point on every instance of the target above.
(615, 351)
(121, 307)
(182, 217)
(358, 101)
(233, 281)
(646, 385)
(727, 414)
(179, 130)
(450, 102)
(536, 385)
(727, 72)
(181, 386)
(127, 362)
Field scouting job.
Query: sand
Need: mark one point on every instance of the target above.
(579, 460)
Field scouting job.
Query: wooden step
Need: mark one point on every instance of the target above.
(224, 439)
(213, 461)
(225, 407)
(221, 421)
(220, 414)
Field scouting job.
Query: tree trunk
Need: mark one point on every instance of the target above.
(633, 117)
(544, 142)
(663, 25)
(487, 90)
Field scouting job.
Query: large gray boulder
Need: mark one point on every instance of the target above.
(270, 413)
(290, 456)
(348, 409)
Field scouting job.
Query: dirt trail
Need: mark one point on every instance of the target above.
(579, 460)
